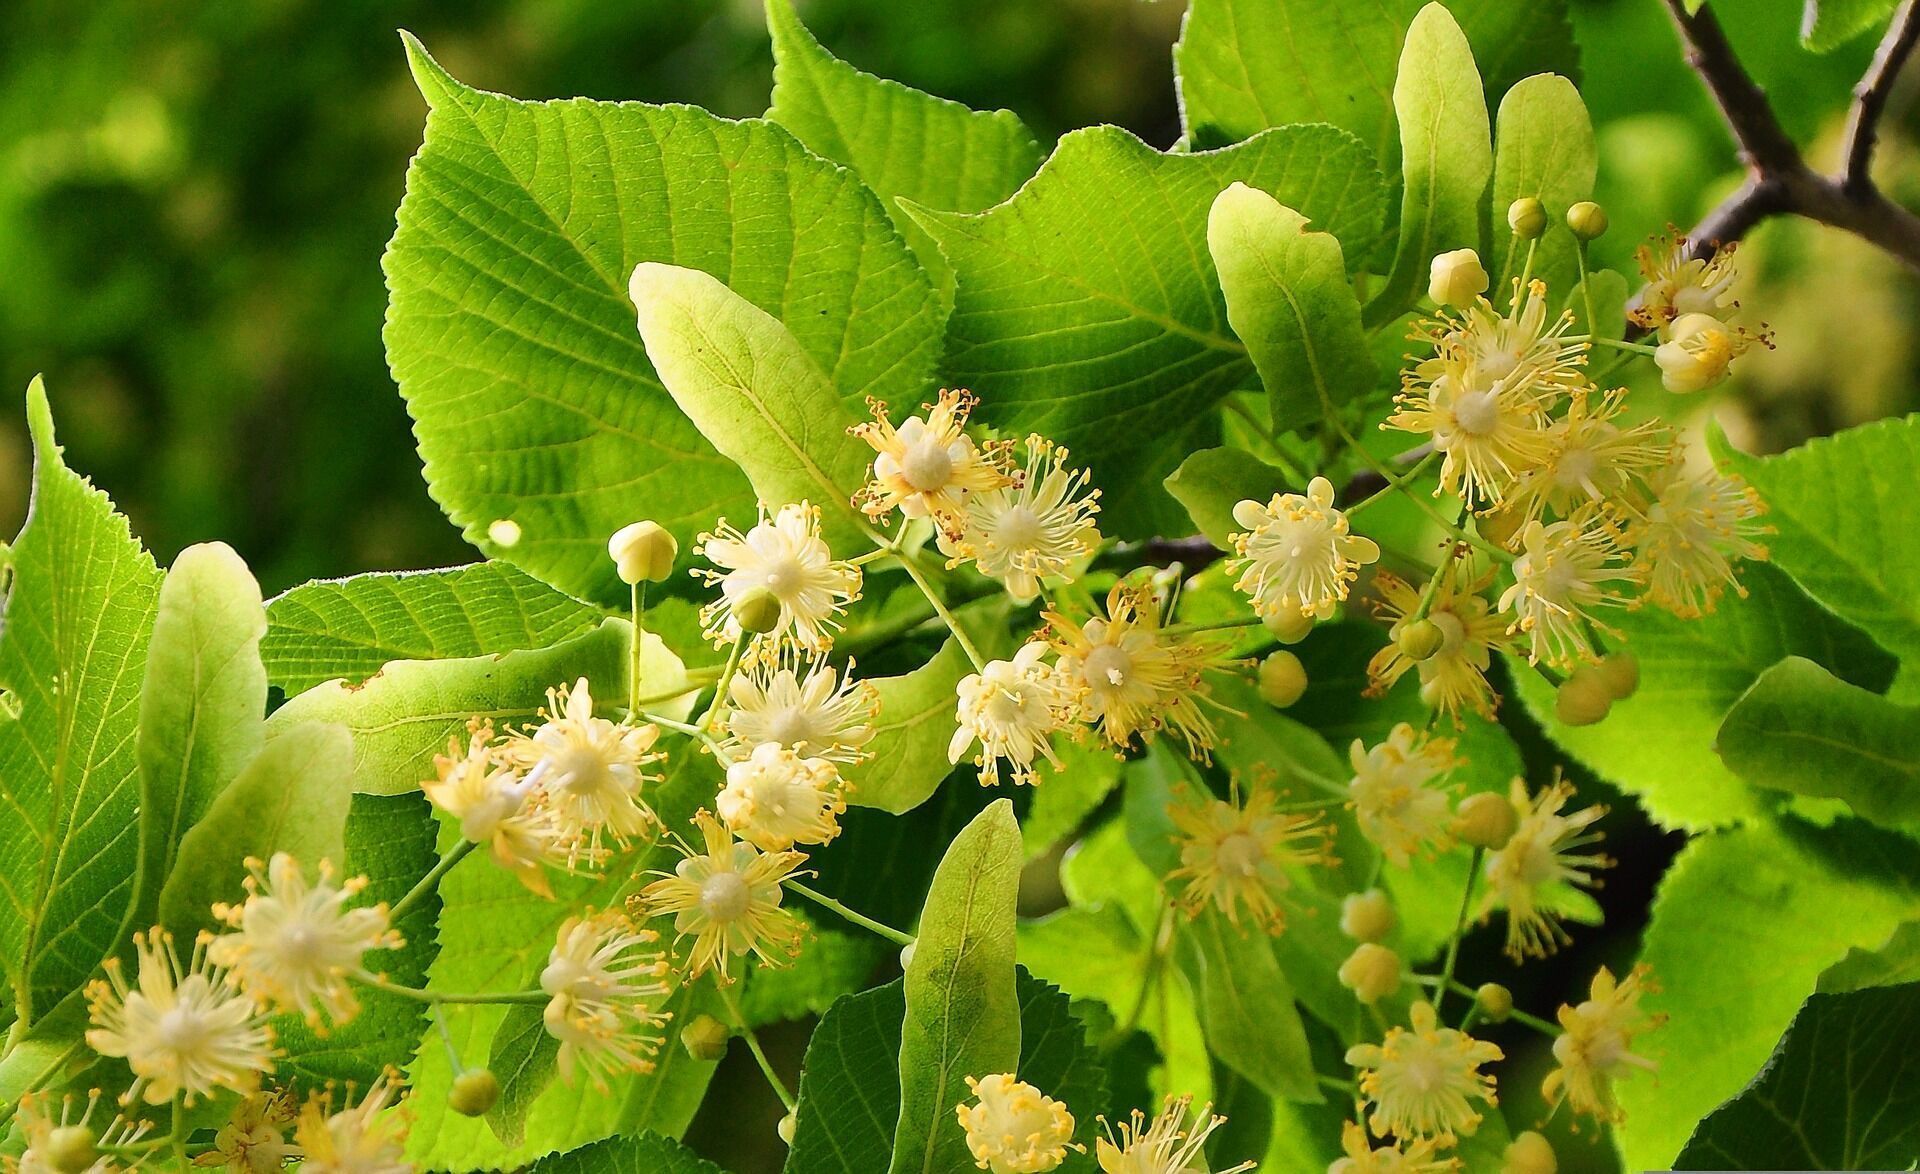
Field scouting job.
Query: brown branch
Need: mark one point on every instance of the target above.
(1870, 96)
(1764, 145)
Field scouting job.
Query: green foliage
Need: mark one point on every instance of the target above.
(641, 1153)
(1830, 24)
(910, 738)
(1247, 1006)
(1543, 148)
(1212, 481)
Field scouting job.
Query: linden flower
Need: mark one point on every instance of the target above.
(1422, 1081)
(1682, 547)
(926, 467)
(1166, 1146)
(297, 945)
(1541, 856)
(254, 1139)
(1678, 283)
(1698, 352)
(365, 1139)
(1597, 1048)
(45, 1136)
(1454, 678)
(1525, 346)
(1394, 799)
(1235, 854)
(183, 1029)
(1361, 1158)
(1593, 459)
(601, 976)
(1131, 677)
(1011, 707)
(728, 900)
(588, 770)
(1488, 430)
(1014, 1128)
(1562, 576)
(817, 713)
(1297, 554)
(786, 556)
(1037, 528)
(775, 799)
(498, 807)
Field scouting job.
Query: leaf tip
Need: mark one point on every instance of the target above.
(436, 85)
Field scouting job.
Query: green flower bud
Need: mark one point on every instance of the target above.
(787, 1125)
(1282, 679)
(474, 1092)
(643, 552)
(1287, 625)
(1527, 217)
(1456, 278)
(1495, 1001)
(906, 955)
(1621, 672)
(705, 1038)
(1587, 219)
(1366, 917)
(1420, 639)
(758, 611)
(1529, 1153)
(1584, 698)
(1485, 820)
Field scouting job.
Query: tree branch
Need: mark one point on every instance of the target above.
(1764, 145)
(1870, 96)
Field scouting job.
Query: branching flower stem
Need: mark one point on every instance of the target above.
(860, 919)
(753, 1045)
(1459, 928)
(939, 605)
(430, 882)
(421, 995)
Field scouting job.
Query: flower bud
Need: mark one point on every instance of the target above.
(1485, 820)
(758, 611)
(1366, 917)
(1495, 1001)
(1528, 1153)
(1420, 639)
(1287, 625)
(705, 1038)
(1587, 219)
(1621, 672)
(1583, 699)
(1456, 278)
(474, 1092)
(906, 955)
(1697, 354)
(1282, 679)
(1527, 217)
(643, 552)
(1371, 972)
(787, 1125)
(503, 532)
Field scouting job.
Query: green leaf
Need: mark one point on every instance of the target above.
(1804, 730)
(1544, 149)
(1066, 797)
(1289, 301)
(292, 797)
(1829, 24)
(73, 648)
(1446, 156)
(910, 738)
(1658, 744)
(511, 335)
(202, 706)
(523, 1059)
(833, 964)
(1087, 309)
(963, 1015)
(1246, 1006)
(1744, 924)
(349, 628)
(1845, 509)
(405, 714)
(754, 392)
(1209, 483)
(642, 1153)
(1895, 961)
(1842, 1092)
(898, 140)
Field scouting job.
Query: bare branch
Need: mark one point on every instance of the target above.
(1870, 96)
(1763, 144)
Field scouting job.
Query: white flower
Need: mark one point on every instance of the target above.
(817, 714)
(1011, 707)
(1567, 571)
(182, 1029)
(1489, 430)
(1695, 526)
(775, 799)
(1541, 855)
(497, 806)
(727, 899)
(1131, 677)
(1164, 1146)
(605, 984)
(588, 771)
(1422, 1080)
(1033, 530)
(368, 1138)
(1698, 352)
(786, 556)
(1593, 459)
(1014, 1128)
(926, 468)
(297, 945)
(1297, 554)
(1678, 283)
(1394, 799)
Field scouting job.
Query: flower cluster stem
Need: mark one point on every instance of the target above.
(753, 1045)
(860, 919)
(940, 609)
(1459, 929)
(430, 882)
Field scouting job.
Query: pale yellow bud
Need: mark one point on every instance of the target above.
(70, 1149)
(1485, 820)
(1584, 698)
(705, 1038)
(1282, 679)
(906, 955)
(504, 532)
(1697, 354)
(1527, 217)
(1495, 1001)
(1420, 639)
(643, 552)
(1456, 278)
(1287, 625)
(1371, 972)
(474, 1092)
(1621, 672)
(757, 611)
(1587, 219)
(1529, 1153)
(787, 1125)
(1366, 917)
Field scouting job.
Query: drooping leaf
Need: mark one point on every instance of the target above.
(1087, 309)
(1658, 743)
(1829, 24)
(1544, 149)
(1804, 730)
(202, 707)
(910, 738)
(1289, 301)
(1210, 482)
(754, 393)
(1841, 1092)
(898, 140)
(1783, 901)
(73, 648)
(349, 628)
(1247, 1006)
(962, 1012)
(512, 337)
(291, 797)
(640, 1153)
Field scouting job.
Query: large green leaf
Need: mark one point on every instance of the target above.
(1743, 926)
(349, 628)
(1543, 148)
(910, 738)
(754, 393)
(963, 1014)
(73, 648)
(1658, 744)
(1846, 508)
(642, 1153)
(1842, 1092)
(1892, 962)
(1246, 1006)
(1446, 155)
(1829, 24)
(898, 140)
(1087, 308)
(292, 797)
(1210, 482)
(512, 337)
(1804, 730)
(202, 707)
(1289, 300)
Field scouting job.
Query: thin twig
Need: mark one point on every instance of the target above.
(1870, 97)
